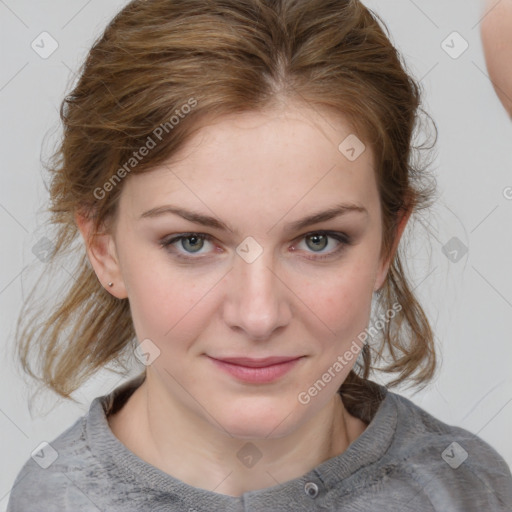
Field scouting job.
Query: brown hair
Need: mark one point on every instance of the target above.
(197, 60)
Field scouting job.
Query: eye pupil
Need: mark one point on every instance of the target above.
(196, 244)
(320, 241)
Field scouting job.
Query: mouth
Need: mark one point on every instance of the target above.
(257, 371)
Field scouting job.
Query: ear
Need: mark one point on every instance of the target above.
(101, 251)
(383, 270)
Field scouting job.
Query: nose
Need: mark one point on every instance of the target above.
(257, 300)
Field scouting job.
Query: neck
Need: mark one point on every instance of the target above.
(178, 442)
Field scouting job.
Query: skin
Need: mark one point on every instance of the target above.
(258, 172)
(496, 31)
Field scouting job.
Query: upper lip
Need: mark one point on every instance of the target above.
(256, 363)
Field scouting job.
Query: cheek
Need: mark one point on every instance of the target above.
(343, 303)
(162, 308)
(162, 299)
(172, 306)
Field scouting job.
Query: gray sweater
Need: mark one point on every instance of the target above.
(405, 460)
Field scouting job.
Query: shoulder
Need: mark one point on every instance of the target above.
(50, 478)
(449, 463)
(78, 469)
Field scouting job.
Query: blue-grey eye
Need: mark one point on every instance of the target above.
(192, 243)
(319, 242)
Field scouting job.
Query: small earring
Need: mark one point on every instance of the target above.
(111, 284)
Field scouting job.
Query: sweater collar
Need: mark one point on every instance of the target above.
(364, 451)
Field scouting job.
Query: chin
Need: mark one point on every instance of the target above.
(259, 423)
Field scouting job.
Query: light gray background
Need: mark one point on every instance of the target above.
(469, 301)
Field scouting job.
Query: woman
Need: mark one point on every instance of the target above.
(240, 173)
(496, 31)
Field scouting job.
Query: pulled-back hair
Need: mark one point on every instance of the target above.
(160, 70)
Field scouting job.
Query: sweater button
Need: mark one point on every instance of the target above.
(311, 489)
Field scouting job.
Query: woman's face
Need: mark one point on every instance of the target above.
(262, 283)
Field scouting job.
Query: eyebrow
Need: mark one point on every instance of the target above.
(212, 222)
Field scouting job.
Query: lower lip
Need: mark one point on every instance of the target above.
(257, 375)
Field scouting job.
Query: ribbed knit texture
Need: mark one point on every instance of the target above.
(395, 465)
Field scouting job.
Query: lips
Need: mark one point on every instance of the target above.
(257, 363)
(257, 371)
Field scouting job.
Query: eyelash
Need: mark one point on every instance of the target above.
(343, 239)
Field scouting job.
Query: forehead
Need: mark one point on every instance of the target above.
(291, 155)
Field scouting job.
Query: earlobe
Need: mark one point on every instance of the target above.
(102, 254)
